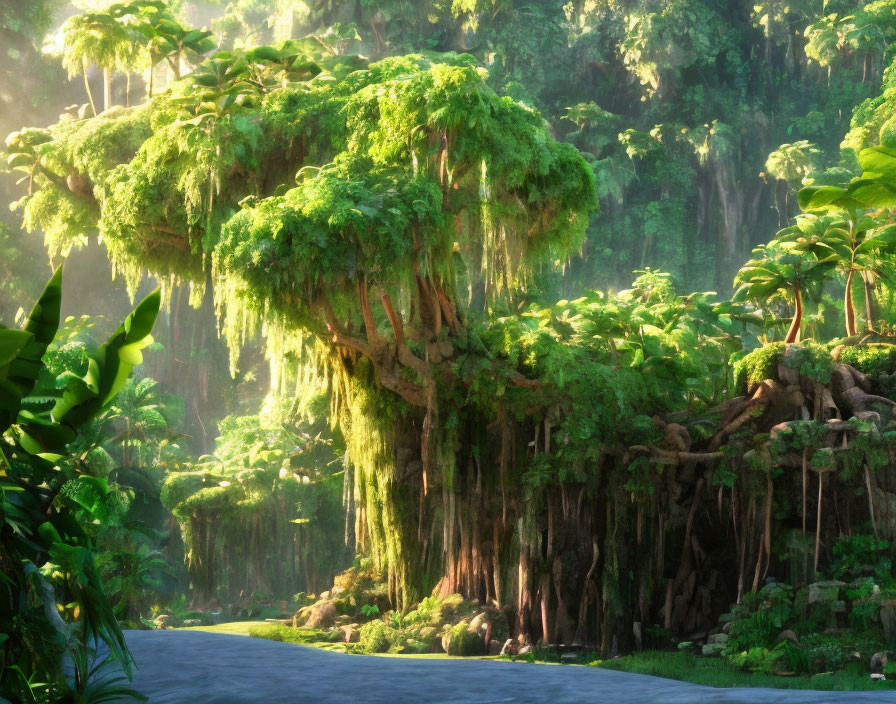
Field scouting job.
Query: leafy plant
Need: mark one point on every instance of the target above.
(47, 556)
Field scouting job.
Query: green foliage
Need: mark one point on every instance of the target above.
(46, 500)
(861, 555)
(370, 610)
(758, 659)
(274, 479)
(377, 636)
(765, 615)
(714, 672)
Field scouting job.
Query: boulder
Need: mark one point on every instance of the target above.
(712, 650)
(825, 591)
(321, 614)
(479, 622)
(351, 632)
(509, 647)
(525, 650)
(460, 639)
(878, 661)
(787, 635)
(717, 639)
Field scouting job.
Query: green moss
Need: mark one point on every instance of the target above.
(460, 640)
(288, 634)
(878, 361)
(758, 365)
(872, 360)
(377, 637)
(808, 358)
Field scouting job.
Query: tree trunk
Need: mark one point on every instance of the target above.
(848, 307)
(793, 334)
(87, 86)
(107, 89)
(818, 522)
(869, 297)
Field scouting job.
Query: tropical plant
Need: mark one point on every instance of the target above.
(46, 556)
(100, 39)
(776, 273)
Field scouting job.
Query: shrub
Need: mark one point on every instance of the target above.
(377, 636)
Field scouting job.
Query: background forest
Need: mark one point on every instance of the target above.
(397, 334)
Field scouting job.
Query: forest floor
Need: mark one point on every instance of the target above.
(177, 666)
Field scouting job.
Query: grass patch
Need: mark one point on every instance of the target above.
(715, 672)
(234, 628)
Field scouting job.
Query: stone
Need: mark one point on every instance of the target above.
(700, 635)
(494, 647)
(712, 650)
(351, 632)
(479, 622)
(878, 676)
(509, 647)
(685, 645)
(787, 635)
(321, 614)
(525, 650)
(878, 660)
(717, 639)
(825, 591)
(192, 622)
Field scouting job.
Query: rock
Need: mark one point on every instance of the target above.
(712, 650)
(321, 614)
(878, 660)
(700, 635)
(525, 650)
(878, 676)
(825, 591)
(494, 647)
(717, 639)
(787, 635)
(192, 622)
(460, 639)
(685, 645)
(726, 628)
(479, 622)
(727, 618)
(351, 632)
(509, 647)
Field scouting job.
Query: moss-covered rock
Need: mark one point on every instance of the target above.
(809, 359)
(460, 639)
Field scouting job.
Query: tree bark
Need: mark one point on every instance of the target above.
(793, 334)
(848, 307)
